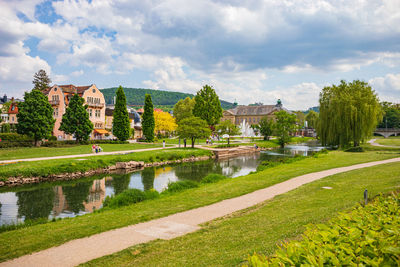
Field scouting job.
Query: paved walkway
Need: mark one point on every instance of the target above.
(372, 142)
(87, 155)
(82, 250)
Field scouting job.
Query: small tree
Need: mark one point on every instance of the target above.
(164, 122)
(266, 127)
(207, 105)
(121, 125)
(193, 128)
(227, 127)
(312, 119)
(284, 126)
(75, 120)
(41, 80)
(148, 123)
(35, 116)
(183, 109)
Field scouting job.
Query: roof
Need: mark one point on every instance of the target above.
(70, 88)
(254, 110)
(13, 109)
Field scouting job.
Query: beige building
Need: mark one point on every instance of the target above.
(251, 114)
(59, 97)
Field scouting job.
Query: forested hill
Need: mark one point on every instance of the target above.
(135, 96)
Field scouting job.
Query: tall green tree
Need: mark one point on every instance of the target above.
(193, 128)
(285, 125)
(207, 105)
(35, 116)
(121, 126)
(148, 122)
(183, 109)
(41, 80)
(349, 113)
(75, 120)
(391, 117)
(266, 127)
(227, 127)
(312, 119)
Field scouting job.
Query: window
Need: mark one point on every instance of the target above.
(90, 113)
(94, 90)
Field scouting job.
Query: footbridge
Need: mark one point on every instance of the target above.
(386, 132)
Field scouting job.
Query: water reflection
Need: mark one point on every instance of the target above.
(75, 198)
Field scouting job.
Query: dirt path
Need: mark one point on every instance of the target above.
(82, 250)
(87, 155)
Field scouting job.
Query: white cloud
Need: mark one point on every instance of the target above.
(387, 87)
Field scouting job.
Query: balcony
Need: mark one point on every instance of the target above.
(54, 102)
(95, 105)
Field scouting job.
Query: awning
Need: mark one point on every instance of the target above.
(101, 131)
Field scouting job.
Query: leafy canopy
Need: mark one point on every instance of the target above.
(207, 105)
(121, 124)
(164, 122)
(148, 123)
(227, 127)
(285, 125)
(75, 120)
(184, 109)
(349, 113)
(312, 119)
(35, 116)
(193, 128)
(391, 117)
(266, 127)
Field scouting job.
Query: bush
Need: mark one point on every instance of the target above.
(129, 196)
(180, 186)
(212, 178)
(226, 145)
(15, 140)
(355, 149)
(64, 143)
(367, 236)
(285, 160)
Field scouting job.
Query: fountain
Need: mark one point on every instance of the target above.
(246, 130)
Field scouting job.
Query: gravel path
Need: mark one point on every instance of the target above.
(87, 155)
(82, 250)
(372, 142)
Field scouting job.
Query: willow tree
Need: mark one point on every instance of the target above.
(349, 113)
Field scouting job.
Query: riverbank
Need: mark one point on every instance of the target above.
(66, 169)
(27, 240)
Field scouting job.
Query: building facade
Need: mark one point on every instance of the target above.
(59, 97)
(251, 114)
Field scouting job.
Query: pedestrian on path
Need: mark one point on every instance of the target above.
(163, 144)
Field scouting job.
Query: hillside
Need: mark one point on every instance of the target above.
(135, 96)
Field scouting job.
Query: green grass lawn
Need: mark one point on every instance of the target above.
(228, 241)
(37, 152)
(56, 166)
(391, 141)
(38, 237)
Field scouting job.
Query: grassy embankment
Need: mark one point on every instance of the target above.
(228, 241)
(37, 152)
(391, 141)
(46, 167)
(27, 240)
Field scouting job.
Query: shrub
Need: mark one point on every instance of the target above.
(15, 140)
(180, 186)
(226, 145)
(212, 178)
(126, 198)
(355, 149)
(367, 236)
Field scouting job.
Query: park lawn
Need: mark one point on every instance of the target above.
(38, 237)
(391, 141)
(37, 152)
(44, 168)
(228, 241)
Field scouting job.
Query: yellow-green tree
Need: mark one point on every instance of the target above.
(164, 122)
(349, 113)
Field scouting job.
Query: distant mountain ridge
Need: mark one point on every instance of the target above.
(135, 96)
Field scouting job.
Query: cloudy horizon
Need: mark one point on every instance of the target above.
(249, 51)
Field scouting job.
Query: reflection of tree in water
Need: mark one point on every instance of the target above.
(120, 182)
(76, 194)
(196, 170)
(148, 175)
(0, 208)
(35, 204)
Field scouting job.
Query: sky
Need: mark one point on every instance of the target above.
(249, 51)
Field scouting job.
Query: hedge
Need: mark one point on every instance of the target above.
(15, 140)
(367, 236)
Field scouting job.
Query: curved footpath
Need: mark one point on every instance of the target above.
(82, 250)
(372, 143)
